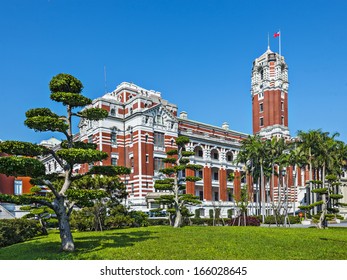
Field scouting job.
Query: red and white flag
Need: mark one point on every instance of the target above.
(277, 34)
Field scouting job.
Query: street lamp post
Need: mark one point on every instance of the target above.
(284, 173)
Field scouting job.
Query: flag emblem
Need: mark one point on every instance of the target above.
(277, 34)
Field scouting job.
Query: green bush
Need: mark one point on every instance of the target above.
(250, 221)
(81, 221)
(119, 221)
(17, 230)
(140, 219)
(208, 221)
(280, 220)
(158, 222)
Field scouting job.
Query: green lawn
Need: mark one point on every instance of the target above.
(190, 243)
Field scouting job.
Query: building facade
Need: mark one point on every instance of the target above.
(142, 126)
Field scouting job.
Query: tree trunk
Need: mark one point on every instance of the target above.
(262, 190)
(43, 226)
(67, 243)
(178, 219)
(321, 223)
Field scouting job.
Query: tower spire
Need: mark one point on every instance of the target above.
(268, 41)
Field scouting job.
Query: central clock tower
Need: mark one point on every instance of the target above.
(270, 95)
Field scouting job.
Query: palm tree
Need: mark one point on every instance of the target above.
(254, 153)
(308, 141)
(326, 158)
(297, 160)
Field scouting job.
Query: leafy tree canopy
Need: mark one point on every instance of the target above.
(21, 166)
(22, 148)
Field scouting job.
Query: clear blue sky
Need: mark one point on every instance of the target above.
(198, 53)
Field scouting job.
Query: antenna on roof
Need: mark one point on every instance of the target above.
(105, 78)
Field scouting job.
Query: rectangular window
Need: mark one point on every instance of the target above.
(114, 161)
(282, 120)
(261, 120)
(282, 106)
(147, 158)
(159, 139)
(261, 107)
(198, 173)
(113, 138)
(216, 196)
(201, 195)
(90, 139)
(132, 162)
(18, 187)
(158, 164)
(230, 195)
(215, 176)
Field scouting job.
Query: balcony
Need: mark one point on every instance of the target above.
(159, 148)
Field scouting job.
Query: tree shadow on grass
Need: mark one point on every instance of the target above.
(39, 249)
(331, 239)
(97, 242)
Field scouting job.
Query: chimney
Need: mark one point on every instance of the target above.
(184, 115)
(225, 126)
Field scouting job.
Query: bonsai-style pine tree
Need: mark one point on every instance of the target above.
(329, 202)
(24, 159)
(175, 199)
(113, 191)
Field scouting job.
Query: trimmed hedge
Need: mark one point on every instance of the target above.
(18, 230)
(206, 222)
(250, 221)
(280, 220)
(158, 222)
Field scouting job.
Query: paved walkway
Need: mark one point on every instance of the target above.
(342, 224)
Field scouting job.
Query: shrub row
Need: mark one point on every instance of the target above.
(240, 221)
(17, 230)
(280, 220)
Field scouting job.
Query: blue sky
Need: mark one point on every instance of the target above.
(198, 53)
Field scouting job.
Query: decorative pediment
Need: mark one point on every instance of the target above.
(161, 117)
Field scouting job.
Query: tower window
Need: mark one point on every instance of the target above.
(261, 120)
(159, 139)
(282, 106)
(282, 120)
(113, 138)
(114, 161)
(158, 164)
(261, 107)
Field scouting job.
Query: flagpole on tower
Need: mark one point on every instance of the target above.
(268, 41)
(279, 41)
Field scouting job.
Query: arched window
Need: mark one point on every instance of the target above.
(198, 151)
(214, 154)
(229, 156)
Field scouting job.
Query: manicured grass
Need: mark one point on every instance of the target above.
(190, 243)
